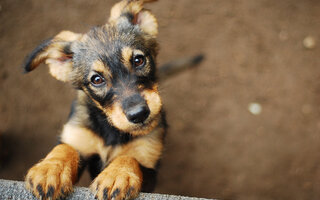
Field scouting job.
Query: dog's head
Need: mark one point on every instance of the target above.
(113, 64)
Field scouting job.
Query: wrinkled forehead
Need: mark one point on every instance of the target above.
(108, 42)
(105, 41)
(107, 50)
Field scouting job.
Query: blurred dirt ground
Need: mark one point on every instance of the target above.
(215, 148)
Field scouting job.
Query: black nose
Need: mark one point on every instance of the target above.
(138, 113)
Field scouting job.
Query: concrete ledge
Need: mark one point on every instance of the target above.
(15, 190)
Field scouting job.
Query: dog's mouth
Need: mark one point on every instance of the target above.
(146, 126)
(136, 117)
(140, 124)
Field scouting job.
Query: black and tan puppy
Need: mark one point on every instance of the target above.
(116, 127)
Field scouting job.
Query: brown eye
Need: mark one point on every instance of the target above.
(138, 60)
(97, 80)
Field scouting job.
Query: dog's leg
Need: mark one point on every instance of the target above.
(54, 176)
(122, 179)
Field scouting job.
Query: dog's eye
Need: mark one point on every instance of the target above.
(138, 60)
(97, 80)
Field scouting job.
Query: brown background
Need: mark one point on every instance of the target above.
(216, 148)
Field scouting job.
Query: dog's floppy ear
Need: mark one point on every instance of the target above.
(56, 53)
(133, 11)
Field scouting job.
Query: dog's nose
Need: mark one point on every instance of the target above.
(138, 113)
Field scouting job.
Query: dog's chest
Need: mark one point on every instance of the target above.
(88, 143)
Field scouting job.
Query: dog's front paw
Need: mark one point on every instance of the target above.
(120, 180)
(49, 179)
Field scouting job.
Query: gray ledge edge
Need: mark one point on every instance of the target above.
(15, 190)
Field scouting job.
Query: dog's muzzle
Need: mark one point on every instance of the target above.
(138, 113)
(136, 109)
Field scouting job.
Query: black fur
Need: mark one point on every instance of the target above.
(103, 100)
(81, 166)
(94, 165)
(149, 179)
(100, 126)
(132, 100)
(27, 66)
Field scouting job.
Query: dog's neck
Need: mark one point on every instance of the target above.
(98, 122)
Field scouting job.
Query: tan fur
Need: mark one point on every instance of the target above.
(118, 118)
(150, 125)
(60, 70)
(52, 51)
(39, 59)
(125, 7)
(123, 174)
(59, 64)
(132, 6)
(58, 171)
(147, 22)
(137, 52)
(126, 57)
(67, 36)
(85, 141)
(153, 100)
(98, 66)
(146, 149)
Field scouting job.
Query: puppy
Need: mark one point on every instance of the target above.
(116, 125)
